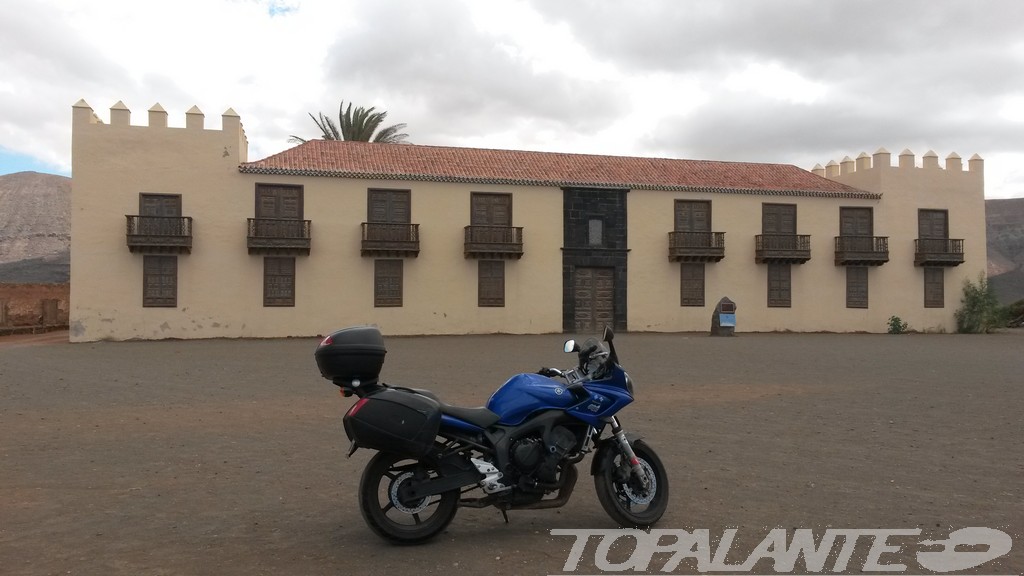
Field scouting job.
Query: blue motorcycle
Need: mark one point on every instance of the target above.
(519, 452)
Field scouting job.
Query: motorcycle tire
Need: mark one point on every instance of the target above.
(393, 519)
(621, 495)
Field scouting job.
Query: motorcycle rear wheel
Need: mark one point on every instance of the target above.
(403, 522)
(622, 496)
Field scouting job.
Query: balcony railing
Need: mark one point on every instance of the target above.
(938, 252)
(696, 246)
(279, 236)
(862, 250)
(494, 242)
(782, 248)
(383, 239)
(159, 234)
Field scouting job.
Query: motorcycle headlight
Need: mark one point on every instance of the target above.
(629, 384)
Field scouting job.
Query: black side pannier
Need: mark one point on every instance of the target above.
(394, 421)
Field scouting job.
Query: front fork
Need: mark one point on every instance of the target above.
(627, 451)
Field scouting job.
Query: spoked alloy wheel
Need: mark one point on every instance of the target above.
(624, 498)
(391, 517)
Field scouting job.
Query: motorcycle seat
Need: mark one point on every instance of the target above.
(481, 416)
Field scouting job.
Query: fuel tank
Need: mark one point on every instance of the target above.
(524, 394)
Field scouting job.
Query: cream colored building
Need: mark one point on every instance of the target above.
(176, 234)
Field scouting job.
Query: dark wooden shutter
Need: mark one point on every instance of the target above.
(389, 206)
(691, 283)
(278, 281)
(491, 283)
(933, 224)
(693, 216)
(160, 281)
(934, 287)
(856, 287)
(855, 222)
(778, 219)
(779, 288)
(387, 283)
(279, 201)
(490, 209)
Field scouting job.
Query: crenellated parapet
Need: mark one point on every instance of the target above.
(881, 160)
(84, 118)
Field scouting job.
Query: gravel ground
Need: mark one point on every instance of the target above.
(228, 457)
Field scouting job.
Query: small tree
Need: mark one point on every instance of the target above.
(979, 311)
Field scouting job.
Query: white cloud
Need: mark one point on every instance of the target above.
(712, 79)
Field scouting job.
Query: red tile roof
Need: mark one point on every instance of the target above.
(365, 160)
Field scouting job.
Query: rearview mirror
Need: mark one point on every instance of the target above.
(570, 346)
(608, 334)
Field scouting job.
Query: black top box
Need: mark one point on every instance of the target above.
(354, 353)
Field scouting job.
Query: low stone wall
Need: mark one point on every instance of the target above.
(33, 307)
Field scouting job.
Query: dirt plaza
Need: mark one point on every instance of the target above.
(228, 456)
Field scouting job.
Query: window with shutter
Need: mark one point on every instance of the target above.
(779, 288)
(692, 283)
(387, 283)
(160, 281)
(278, 281)
(856, 287)
(491, 283)
(934, 287)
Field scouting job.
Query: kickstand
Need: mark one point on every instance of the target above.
(504, 514)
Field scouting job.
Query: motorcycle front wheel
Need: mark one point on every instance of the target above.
(624, 498)
(397, 520)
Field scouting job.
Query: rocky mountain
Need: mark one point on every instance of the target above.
(35, 234)
(1004, 223)
(35, 228)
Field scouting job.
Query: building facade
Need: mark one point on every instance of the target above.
(175, 234)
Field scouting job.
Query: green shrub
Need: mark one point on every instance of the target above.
(897, 325)
(979, 312)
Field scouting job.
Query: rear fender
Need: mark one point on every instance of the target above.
(607, 448)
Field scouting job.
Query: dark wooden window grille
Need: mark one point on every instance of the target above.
(387, 283)
(856, 287)
(779, 286)
(491, 283)
(278, 281)
(934, 287)
(160, 281)
(691, 276)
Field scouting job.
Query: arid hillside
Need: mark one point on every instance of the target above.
(35, 228)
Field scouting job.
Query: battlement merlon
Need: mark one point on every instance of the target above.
(883, 159)
(120, 116)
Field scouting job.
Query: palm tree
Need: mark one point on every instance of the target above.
(359, 125)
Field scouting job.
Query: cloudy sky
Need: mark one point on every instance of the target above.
(792, 81)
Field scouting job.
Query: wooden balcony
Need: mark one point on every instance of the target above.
(390, 240)
(502, 242)
(280, 236)
(938, 252)
(696, 246)
(862, 250)
(159, 234)
(782, 248)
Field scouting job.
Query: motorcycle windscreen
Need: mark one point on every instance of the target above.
(524, 394)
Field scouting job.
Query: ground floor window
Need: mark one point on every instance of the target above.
(856, 287)
(779, 286)
(934, 287)
(160, 281)
(691, 282)
(278, 281)
(491, 283)
(387, 283)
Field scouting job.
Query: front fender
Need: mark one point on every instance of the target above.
(606, 450)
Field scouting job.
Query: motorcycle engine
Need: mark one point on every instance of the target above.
(539, 462)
